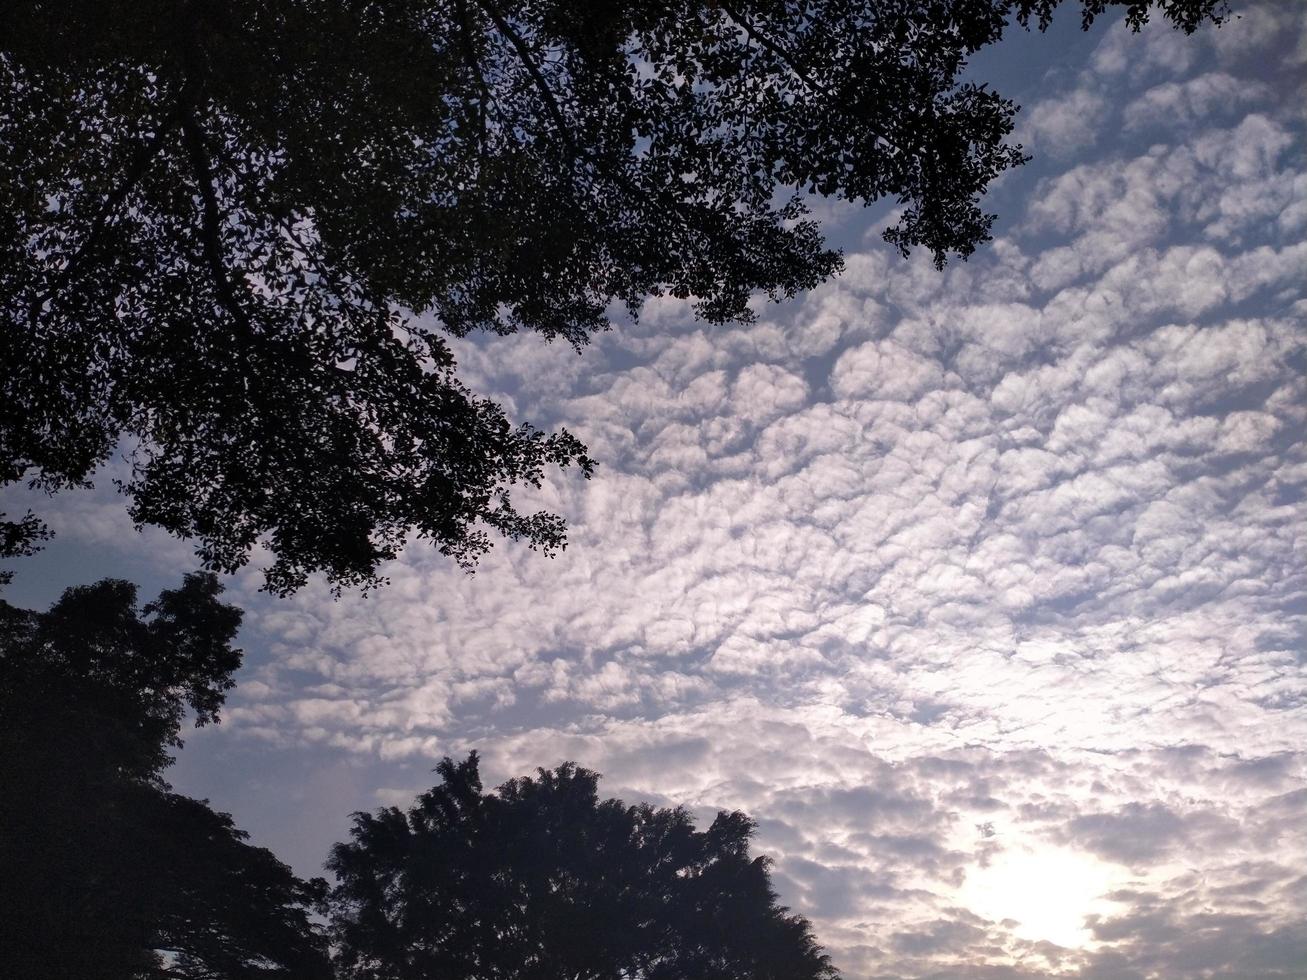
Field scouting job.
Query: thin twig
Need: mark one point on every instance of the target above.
(136, 170)
(789, 62)
(211, 221)
(524, 53)
(475, 64)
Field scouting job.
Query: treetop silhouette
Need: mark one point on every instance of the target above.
(540, 879)
(106, 873)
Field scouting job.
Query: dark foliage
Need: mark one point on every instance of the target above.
(540, 880)
(20, 539)
(106, 873)
(214, 213)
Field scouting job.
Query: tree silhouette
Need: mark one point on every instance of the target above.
(215, 214)
(540, 880)
(106, 873)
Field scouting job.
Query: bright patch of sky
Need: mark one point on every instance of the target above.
(984, 592)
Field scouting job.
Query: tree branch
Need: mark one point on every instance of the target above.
(788, 61)
(139, 166)
(524, 54)
(474, 63)
(211, 221)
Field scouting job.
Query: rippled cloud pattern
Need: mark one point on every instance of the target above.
(984, 592)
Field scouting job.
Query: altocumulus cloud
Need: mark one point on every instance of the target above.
(985, 593)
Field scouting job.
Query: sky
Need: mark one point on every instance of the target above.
(983, 592)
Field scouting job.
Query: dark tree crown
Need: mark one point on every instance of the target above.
(105, 872)
(541, 879)
(123, 677)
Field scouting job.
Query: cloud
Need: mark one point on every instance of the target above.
(939, 577)
(1062, 126)
(1196, 100)
(1142, 833)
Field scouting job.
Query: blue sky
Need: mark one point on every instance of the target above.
(984, 592)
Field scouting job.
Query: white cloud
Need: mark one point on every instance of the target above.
(933, 575)
(1061, 126)
(1196, 100)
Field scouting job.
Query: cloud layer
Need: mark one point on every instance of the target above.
(985, 593)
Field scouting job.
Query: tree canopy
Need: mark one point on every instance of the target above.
(235, 233)
(107, 873)
(540, 880)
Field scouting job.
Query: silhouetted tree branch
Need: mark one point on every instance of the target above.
(265, 279)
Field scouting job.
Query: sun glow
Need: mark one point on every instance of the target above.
(1048, 892)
